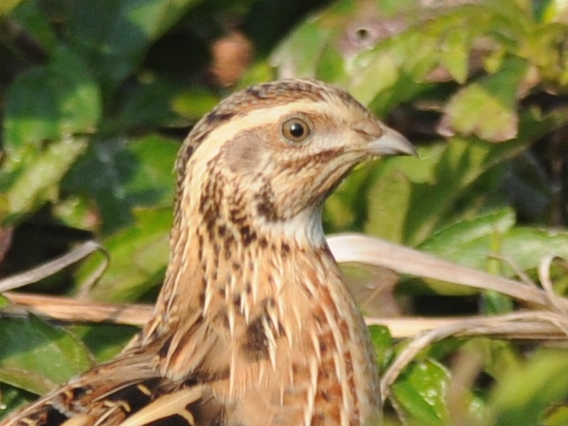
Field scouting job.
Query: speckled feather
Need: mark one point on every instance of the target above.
(253, 325)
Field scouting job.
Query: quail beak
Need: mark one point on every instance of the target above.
(383, 140)
(391, 143)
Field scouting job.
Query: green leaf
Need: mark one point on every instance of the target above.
(522, 397)
(402, 210)
(557, 417)
(139, 256)
(364, 86)
(37, 357)
(49, 102)
(194, 103)
(298, 53)
(500, 357)
(394, 7)
(454, 54)
(105, 341)
(3, 302)
(39, 177)
(382, 341)
(528, 245)
(421, 392)
(75, 212)
(7, 6)
(487, 108)
(403, 64)
(113, 35)
(11, 398)
(33, 18)
(469, 242)
(331, 65)
(389, 200)
(124, 175)
(148, 105)
(549, 11)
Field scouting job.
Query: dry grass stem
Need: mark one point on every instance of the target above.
(372, 251)
(56, 265)
(72, 310)
(501, 325)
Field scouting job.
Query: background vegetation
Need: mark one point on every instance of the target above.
(96, 96)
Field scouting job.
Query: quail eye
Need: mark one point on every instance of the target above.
(295, 129)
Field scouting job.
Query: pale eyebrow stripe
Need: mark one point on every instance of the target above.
(256, 118)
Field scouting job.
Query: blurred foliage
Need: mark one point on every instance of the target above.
(96, 96)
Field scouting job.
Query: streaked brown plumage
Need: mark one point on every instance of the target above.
(253, 325)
